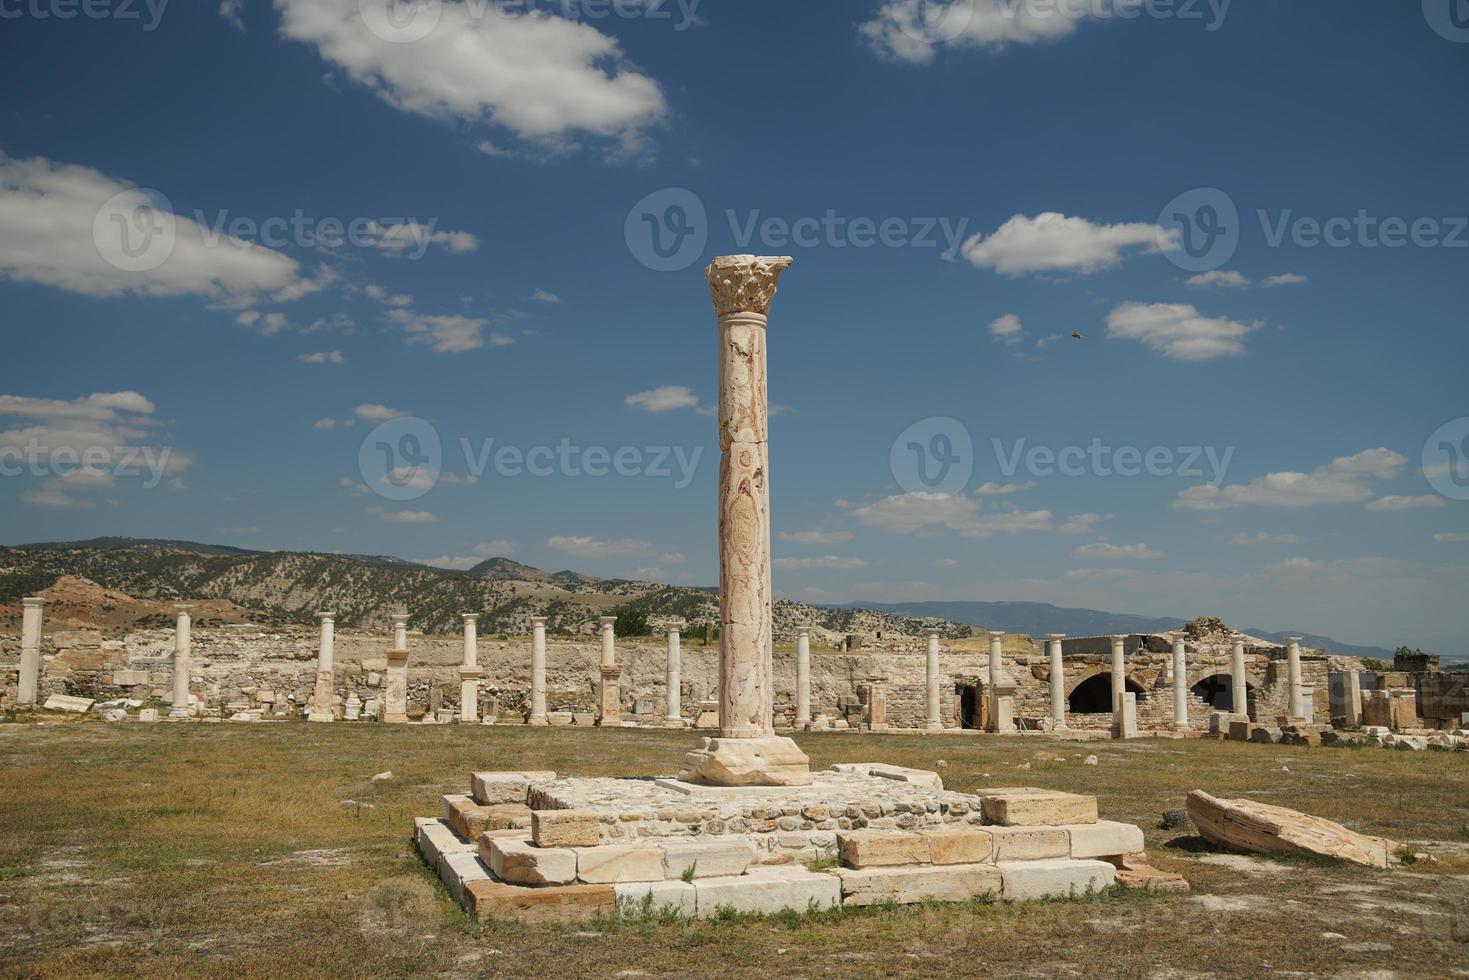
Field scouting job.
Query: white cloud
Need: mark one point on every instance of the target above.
(374, 291)
(664, 398)
(911, 30)
(406, 517)
(56, 222)
(1007, 329)
(931, 513)
(1285, 279)
(1005, 489)
(1105, 551)
(377, 413)
(587, 547)
(1220, 277)
(498, 548)
(321, 357)
(832, 562)
(1452, 537)
(231, 11)
(1178, 331)
(542, 296)
(456, 563)
(449, 334)
(540, 75)
(411, 239)
(1080, 524)
(491, 150)
(1342, 481)
(1423, 502)
(1053, 242)
(1244, 539)
(324, 424)
(946, 563)
(823, 538)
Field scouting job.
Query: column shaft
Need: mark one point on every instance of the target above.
(673, 681)
(1119, 673)
(1180, 685)
(537, 672)
(1058, 681)
(935, 719)
(803, 678)
(1293, 670)
(469, 673)
(30, 650)
(321, 698)
(182, 645)
(1239, 690)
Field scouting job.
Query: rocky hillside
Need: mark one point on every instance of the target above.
(133, 580)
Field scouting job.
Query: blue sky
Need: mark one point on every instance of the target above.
(961, 190)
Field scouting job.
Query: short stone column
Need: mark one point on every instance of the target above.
(1293, 675)
(321, 697)
(182, 646)
(400, 629)
(610, 700)
(803, 678)
(538, 673)
(395, 688)
(1180, 685)
(1239, 684)
(934, 722)
(30, 650)
(1058, 680)
(1351, 697)
(470, 672)
(673, 681)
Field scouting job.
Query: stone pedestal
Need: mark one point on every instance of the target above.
(1239, 689)
(324, 692)
(673, 681)
(538, 673)
(877, 707)
(1002, 714)
(395, 688)
(1124, 723)
(934, 722)
(803, 678)
(1349, 683)
(182, 646)
(30, 650)
(1058, 681)
(1308, 704)
(747, 753)
(1180, 686)
(609, 699)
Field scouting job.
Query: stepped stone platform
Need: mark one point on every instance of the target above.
(534, 846)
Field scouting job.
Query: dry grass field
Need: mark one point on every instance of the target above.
(269, 850)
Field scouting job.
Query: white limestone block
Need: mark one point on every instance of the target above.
(65, 702)
(707, 858)
(1026, 881)
(436, 842)
(492, 788)
(459, 869)
(609, 864)
(907, 886)
(767, 891)
(1030, 843)
(1104, 838)
(522, 863)
(658, 897)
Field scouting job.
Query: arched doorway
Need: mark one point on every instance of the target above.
(1215, 691)
(1093, 696)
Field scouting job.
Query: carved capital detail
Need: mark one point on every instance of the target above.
(745, 283)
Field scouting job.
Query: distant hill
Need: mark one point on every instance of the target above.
(1038, 618)
(122, 544)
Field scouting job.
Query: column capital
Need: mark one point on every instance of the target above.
(1294, 640)
(1056, 636)
(1119, 637)
(538, 620)
(931, 631)
(804, 631)
(33, 602)
(469, 617)
(674, 631)
(182, 607)
(326, 617)
(996, 634)
(745, 283)
(606, 622)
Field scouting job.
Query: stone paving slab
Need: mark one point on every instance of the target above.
(907, 886)
(1026, 881)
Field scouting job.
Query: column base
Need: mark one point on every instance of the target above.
(321, 716)
(933, 726)
(767, 761)
(180, 713)
(538, 721)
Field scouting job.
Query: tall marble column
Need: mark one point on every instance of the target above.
(747, 751)
(934, 722)
(325, 690)
(538, 673)
(611, 692)
(1239, 685)
(803, 678)
(1119, 672)
(395, 684)
(182, 646)
(470, 672)
(673, 681)
(1058, 680)
(1180, 685)
(30, 650)
(1002, 687)
(1293, 674)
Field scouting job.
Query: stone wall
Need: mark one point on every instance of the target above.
(274, 669)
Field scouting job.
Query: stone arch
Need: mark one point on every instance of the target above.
(1093, 695)
(1213, 687)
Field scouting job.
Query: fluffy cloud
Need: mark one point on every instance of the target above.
(1220, 277)
(1178, 331)
(449, 334)
(378, 413)
(1285, 279)
(832, 562)
(321, 357)
(1005, 489)
(1244, 539)
(912, 30)
(1105, 551)
(931, 513)
(1406, 503)
(410, 239)
(1080, 524)
(543, 296)
(539, 75)
(1007, 329)
(406, 517)
(587, 547)
(664, 398)
(1053, 242)
(73, 228)
(1452, 537)
(1342, 481)
(823, 538)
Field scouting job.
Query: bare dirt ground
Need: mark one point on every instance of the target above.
(269, 850)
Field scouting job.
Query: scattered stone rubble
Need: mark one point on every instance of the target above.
(534, 846)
